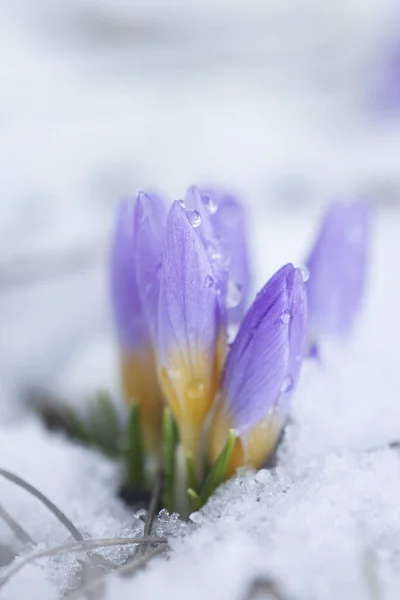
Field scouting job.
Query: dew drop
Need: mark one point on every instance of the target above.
(213, 252)
(181, 203)
(234, 294)
(305, 273)
(218, 289)
(287, 384)
(285, 316)
(209, 203)
(195, 389)
(231, 332)
(208, 281)
(239, 480)
(174, 373)
(194, 217)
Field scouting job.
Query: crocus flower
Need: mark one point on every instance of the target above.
(135, 258)
(337, 264)
(189, 325)
(171, 282)
(261, 370)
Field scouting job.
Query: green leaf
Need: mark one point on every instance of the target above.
(133, 452)
(192, 478)
(170, 442)
(195, 501)
(105, 426)
(79, 428)
(217, 473)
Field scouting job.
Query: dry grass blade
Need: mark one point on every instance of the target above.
(155, 497)
(151, 512)
(52, 507)
(129, 568)
(79, 547)
(264, 588)
(15, 527)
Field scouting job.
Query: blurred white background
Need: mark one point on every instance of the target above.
(288, 102)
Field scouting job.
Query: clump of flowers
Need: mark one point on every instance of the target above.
(180, 282)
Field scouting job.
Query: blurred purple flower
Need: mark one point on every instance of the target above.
(337, 264)
(135, 255)
(261, 370)
(386, 98)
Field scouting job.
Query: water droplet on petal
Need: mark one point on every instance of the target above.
(208, 281)
(195, 389)
(285, 316)
(231, 333)
(218, 289)
(174, 373)
(305, 273)
(239, 480)
(233, 294)
(194, 217)
(209, 203)
(287, 384)
(181, 203)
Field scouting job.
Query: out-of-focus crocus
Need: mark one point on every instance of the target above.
(189, 325)
(135, 262)
(261, 370)
(337, 264)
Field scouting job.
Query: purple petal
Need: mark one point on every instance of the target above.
(128, 312)
(265, 359)
(230, 226)
(337, 265)
(223, 231)
(188, 320)
(149, 231)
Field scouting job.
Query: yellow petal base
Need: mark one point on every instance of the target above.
(251, 449)
(189, 388)
(140, 386)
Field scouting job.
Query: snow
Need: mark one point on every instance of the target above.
(289, 123)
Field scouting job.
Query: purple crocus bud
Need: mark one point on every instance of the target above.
(337, 264)
(188, 327)
(223, 229)
(148, 240)
(138, 372)
(131, 327)
(261, 370)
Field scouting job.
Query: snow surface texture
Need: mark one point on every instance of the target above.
(326, 521)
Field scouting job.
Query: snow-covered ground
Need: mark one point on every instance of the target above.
(288, 122)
